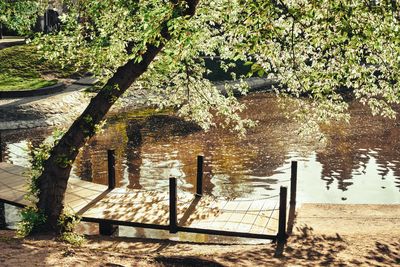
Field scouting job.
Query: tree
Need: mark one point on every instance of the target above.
(20, 15)
(322, 52)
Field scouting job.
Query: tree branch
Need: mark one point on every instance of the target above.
(54, 178)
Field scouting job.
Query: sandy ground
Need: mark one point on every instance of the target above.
(330, 235)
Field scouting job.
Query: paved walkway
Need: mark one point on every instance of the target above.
(43, 111)
(9, 41)
(60, 109)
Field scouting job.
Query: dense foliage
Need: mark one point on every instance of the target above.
(321, 50)
(20, 15)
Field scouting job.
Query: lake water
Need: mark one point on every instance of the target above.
(359, 163)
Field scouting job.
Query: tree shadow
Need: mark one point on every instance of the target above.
(304, 248)
(186, 261)
(316, 248)
(16, 252)
(149, 207)
(387, 254)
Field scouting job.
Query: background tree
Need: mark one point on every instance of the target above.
(322, 52)
(20, 15)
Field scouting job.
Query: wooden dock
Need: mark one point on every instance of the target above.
(257, 218)
(13, 188)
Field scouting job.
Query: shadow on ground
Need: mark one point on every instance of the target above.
(384, 254)
(303, 249)
(186, 261)
(15, 251)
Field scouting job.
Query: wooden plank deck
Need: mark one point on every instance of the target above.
(249, 216)
(95, 203)
(12, 184)
(13, 188)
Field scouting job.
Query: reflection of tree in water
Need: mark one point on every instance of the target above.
(227, 167)
(10, 137)
(388, 156)
(91, 163)
(350, 147)
(238, 166)
(339, 161)
(84, 167)
(167, 151)
(133, 153)
(155, 148)
(162, 146)
(246, 164)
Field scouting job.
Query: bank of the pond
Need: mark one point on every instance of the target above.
(61, 108)
(324, 234)
(351, 219)
(42, 111)
(58, 109)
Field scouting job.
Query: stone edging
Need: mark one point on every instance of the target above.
(36, 92)
(255, 84)
(62, 109)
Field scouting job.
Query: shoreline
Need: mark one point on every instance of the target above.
(60, 109)
(323, 235)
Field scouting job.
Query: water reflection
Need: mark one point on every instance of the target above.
(134, 154)
(364, 142)
(359, 163)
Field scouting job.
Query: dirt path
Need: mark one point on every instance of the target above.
(366, 235)
(323, 235)
(350, 219)
(302, 250)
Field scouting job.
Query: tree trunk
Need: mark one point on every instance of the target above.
(54, 178)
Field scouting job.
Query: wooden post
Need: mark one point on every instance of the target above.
(282, 215)
(111, 169)
(3, 223)
(173, 219)
(293, 183)
(199, 185)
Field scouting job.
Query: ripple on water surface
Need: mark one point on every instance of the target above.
(358, 162)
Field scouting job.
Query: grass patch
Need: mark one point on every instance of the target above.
(22, 68)
(12, 83)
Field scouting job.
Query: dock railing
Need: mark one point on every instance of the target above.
(107, 227)
(281, 235)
